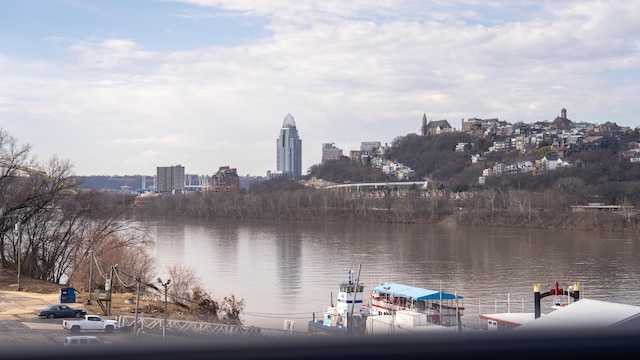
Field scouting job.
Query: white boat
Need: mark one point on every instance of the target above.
(397, 307)
(348, 315)
(563, 295)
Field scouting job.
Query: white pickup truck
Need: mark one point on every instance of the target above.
(90, 322)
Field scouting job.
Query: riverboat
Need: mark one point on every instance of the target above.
(395, 307)
(563, 295)
(348, 316)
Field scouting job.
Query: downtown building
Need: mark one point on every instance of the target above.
(289, 149)
(226, 180)
(170, 179)
(330, 152)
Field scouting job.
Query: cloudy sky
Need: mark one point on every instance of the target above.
(120, 87)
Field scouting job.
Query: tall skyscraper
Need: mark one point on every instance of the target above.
(289, 147)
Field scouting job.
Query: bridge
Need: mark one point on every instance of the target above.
(379, 185)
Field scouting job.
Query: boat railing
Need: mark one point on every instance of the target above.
(504, 306)
(437, 312)
(388, 306)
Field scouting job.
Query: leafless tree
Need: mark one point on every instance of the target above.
(183, 281)
(105, 237)
(27, 189)
(58, 226)
(232, 309)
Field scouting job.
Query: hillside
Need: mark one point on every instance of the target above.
(603, 173)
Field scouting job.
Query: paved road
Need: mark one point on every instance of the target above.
(43, 335)
(44, 332)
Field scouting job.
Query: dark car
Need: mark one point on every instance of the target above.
(61, 311)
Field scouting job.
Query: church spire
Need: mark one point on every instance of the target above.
(424, 125)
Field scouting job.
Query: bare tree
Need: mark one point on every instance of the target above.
(27, 189)
(232, 309)
(104, 238)
(183, 281)
(491, 195)
(205, 307)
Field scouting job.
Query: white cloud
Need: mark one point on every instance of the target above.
(348, 71)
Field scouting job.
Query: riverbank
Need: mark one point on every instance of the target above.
(38, 294)
(16, 305)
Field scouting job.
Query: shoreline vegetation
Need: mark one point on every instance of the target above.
(487, 208)
(37, 294)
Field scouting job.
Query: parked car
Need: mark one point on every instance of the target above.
(84, 340)
(61, 311)
(90, 322)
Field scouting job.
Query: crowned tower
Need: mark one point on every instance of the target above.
(289, 149)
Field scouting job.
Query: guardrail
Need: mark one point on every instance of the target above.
(197, 327)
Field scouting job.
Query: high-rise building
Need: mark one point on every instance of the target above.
(225, 180)
(330, 152)
(289, 148)
(170, 179)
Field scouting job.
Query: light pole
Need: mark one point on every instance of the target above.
(18, 229)
(164, 325)
(135, 324)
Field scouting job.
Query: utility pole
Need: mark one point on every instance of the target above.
(110, 290)
(90, 270)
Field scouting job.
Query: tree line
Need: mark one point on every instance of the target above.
(499, 206)
(543, 200)
(52, 231)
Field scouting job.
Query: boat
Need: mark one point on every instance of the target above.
(563, 295)
(395, 307)
(348, 316)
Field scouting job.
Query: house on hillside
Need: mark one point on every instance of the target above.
(525, 166)
(632, 155)
(552, 162)
(549, 162)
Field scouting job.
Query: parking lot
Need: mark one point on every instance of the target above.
(46, 332)
(20, 324)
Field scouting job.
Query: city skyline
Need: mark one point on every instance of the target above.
(120, 88)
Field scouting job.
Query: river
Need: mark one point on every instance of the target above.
(290, 270)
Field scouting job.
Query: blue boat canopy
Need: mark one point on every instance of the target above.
(415, 293)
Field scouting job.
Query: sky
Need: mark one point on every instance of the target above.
(121, 87)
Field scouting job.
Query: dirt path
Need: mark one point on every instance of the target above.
(16, 305)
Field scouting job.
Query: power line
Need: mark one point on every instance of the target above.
(276, 315)
(95, 260)
(120, 280)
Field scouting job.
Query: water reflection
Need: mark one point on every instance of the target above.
(288, 270)
(288, 251)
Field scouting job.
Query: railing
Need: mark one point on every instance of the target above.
(445, 309)
(387, 305)
(197, 327)
(446, 316)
